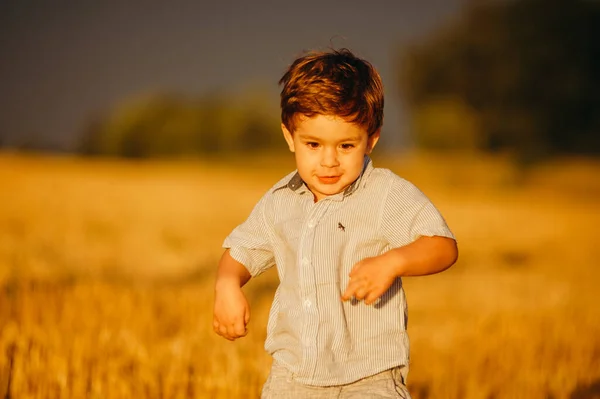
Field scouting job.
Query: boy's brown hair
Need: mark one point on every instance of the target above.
(333, 83)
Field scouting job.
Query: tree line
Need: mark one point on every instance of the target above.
(513, 75)
(522, 76)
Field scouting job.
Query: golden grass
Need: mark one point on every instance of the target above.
(106, 273)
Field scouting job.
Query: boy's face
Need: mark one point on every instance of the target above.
(329, 152)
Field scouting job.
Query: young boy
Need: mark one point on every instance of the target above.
(342, 234)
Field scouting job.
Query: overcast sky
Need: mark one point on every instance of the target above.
(64, 61)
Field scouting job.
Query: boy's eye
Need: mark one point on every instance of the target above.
(347, 146)
(312, 144)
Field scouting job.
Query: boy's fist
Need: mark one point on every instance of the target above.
(231, 313)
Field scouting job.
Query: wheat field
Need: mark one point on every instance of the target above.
(107, 269)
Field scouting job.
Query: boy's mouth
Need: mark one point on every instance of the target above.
(329, 179)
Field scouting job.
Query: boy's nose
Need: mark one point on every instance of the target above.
(329, 158)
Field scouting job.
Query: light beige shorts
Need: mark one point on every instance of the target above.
(388, 384)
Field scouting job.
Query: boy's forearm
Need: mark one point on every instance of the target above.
(231, 272)
(426, 255)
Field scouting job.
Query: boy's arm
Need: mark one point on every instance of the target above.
(371, 277)
(426, 255)
(231, 312)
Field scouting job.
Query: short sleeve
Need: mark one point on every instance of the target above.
(408, 214)
(250, 243)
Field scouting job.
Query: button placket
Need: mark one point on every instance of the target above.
(308, 288)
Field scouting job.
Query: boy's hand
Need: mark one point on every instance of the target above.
(369, 279)
(231, 313)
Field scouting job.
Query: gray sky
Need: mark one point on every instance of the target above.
(64, 61)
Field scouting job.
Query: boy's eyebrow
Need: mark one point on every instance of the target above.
(353, 138)
(313, 138)
(308, 137)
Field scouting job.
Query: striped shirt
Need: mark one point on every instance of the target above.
(314, 245)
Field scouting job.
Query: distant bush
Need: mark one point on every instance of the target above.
(171, 125)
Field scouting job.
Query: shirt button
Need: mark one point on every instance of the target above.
(311, 224)
(307, 304)
(305, 262)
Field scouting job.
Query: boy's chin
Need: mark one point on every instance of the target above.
(328, 191)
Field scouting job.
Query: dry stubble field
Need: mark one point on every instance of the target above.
(106, 273)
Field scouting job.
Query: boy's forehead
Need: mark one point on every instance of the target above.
(302, 118)
(327, 123)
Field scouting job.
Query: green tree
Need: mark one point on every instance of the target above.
(524, 73)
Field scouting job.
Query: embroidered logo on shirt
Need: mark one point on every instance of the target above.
(341, 226)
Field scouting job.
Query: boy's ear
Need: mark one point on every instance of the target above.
(288, 138)
(372, 141)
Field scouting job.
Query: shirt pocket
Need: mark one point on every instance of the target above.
(289, 231)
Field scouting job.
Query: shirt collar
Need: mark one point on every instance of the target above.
(296, 184)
